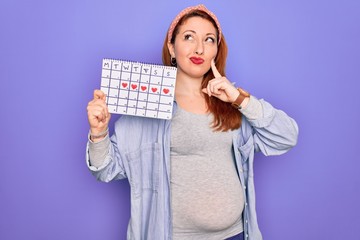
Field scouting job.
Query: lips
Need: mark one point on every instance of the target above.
(196, 60)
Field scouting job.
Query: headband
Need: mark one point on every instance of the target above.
(186, 11)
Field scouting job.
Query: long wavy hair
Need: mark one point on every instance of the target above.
(226, 117)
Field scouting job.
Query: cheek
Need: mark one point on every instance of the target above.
(211, 50)
(183, 50)
(214, 51)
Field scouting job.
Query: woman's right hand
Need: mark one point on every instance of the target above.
(98, 113)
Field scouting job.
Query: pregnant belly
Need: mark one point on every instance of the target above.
(214, 208)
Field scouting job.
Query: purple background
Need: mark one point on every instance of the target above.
(302, 56)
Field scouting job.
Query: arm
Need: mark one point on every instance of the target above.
(274, 132)
(102, 154)
(104, 160)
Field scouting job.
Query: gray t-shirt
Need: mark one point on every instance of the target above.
(206, 194)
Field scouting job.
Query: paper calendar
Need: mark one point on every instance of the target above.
(139, 89)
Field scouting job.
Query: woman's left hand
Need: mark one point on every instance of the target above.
(221, 87)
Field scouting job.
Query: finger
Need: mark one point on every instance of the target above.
(99, 115)
(214, 84)
(100, 98)
(98, 94)
(214, 69)
(208, 89)
(105, 110)
(98, 111)
(103, 104)
(104, 97)
(97, 102)
(216, 88)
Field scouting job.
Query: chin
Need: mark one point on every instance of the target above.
(196, 73)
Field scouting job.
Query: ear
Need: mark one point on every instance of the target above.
(171, 49)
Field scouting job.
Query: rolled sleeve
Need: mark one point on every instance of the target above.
(96, 154)
(253, 109)
(274, 132)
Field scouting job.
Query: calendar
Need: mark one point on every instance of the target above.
(138, 89)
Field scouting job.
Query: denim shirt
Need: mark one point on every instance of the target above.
(140, 152)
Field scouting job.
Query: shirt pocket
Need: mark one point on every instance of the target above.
(245, 151)
(144, 166)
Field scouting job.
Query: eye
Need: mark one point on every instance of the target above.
(188, 37)
(210, 39)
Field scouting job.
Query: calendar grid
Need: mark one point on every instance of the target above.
(147, 87)
(138, 89)
(110, 78)
(117, 102)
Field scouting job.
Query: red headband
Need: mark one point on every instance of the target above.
(184, 12)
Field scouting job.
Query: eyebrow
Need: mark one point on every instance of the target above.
(195, 32)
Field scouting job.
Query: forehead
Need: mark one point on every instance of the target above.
(197, 24)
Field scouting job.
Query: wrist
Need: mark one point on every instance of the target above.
(97, 136)
(235, 94)
(240, 99)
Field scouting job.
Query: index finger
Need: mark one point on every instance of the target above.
(214, 69)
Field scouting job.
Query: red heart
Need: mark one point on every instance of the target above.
(124, 85)
(166, 90)
(154, 89)
(133, 86)
(143, 88)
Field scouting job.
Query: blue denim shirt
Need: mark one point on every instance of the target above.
(140, 152)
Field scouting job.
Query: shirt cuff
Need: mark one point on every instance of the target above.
(253, 110)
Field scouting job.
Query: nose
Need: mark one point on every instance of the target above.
(199, 50)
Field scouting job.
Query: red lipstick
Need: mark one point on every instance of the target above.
(196, 60)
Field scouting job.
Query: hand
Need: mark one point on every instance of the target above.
(98, 113)
(221, 87)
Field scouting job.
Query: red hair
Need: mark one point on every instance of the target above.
(226, 117)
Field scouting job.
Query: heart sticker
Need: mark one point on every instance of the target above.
(166, 90)
(143, 88)
(124, 85)
(133, 86)
(154, 89)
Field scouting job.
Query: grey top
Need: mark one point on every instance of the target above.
(141, 148)
(98, 151)
(206, 194)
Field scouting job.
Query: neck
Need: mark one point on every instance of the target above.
(188, 86)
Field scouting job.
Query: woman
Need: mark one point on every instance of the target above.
(191, 177)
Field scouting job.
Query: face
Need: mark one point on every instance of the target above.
(194, 47)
